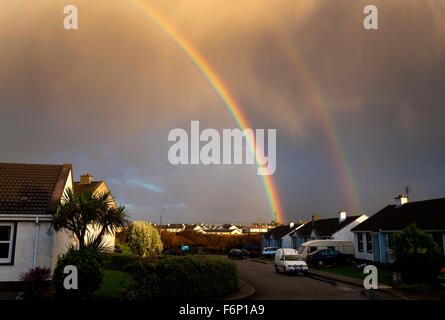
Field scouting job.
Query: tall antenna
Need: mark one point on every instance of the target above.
(407, 191)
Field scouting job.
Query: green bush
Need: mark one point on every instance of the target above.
(144, 239)
(89, 266)
(417, 256)
(184, 278)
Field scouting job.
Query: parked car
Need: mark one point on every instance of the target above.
(328, 257)
(441, 277)
(269, 251)
(117, 249)
(313, 246)
(235, 254)
(288, 260)
(253, 251)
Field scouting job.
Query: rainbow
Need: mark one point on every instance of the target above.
(332, 133)
(222, 92)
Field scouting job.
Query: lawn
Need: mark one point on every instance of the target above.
(267, 258)
(125, 248)
(114, 285)
(385, 275)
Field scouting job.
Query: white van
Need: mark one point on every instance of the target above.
(288, 260)
(313, 246)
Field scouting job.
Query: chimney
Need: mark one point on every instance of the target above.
(86, 178)
(341, 216)
(401, 199)
(314, 218)
(291, 224)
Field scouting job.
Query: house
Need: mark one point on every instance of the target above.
(85, 184)
(373, 239)
(223, 231)
(29, 195)
(279, 236)
(195, 227)
(254, 229)
(174, 227)
(327, 229)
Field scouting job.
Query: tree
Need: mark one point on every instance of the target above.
(417, 256)
(144, 239)
(88, 209)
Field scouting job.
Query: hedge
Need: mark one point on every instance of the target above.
(117, 261)
(177, 278)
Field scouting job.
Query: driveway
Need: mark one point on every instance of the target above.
(273, 286)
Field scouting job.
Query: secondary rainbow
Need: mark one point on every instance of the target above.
(220, 89)
(316, 97)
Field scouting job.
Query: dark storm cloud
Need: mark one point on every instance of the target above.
(104, 98)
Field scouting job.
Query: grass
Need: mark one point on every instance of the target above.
(415, 286)
(385, 275)
(267, 258)
(114, 285)
(125, 248)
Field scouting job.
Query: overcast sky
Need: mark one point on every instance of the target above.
(104, 98)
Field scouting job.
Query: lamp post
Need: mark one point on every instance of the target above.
(160, 216)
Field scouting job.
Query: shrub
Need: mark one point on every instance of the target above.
(89, 266)
(184, 278)
(417, 256)
(144, 239)
(36, 280)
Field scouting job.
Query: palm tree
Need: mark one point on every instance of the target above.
(80, 211)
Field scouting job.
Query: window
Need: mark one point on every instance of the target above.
(312, 249)
(360, 242)
(390, 240)
(368, 243)
(294, 242)
(6, 242)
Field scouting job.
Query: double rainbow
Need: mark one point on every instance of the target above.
(220, 89)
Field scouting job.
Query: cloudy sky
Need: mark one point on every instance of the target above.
(359, 114)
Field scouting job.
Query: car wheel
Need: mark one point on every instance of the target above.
(276, 269)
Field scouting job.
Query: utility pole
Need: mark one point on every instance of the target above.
(160, 216)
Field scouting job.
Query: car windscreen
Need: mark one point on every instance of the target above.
(293, 257)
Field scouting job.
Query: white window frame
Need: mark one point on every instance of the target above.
(11, 242)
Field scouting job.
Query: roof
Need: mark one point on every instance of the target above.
(280, 231)
(82, 187)
(324, 227)
(427, 214)
(31, 189)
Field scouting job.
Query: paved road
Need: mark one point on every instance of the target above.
(272, 286)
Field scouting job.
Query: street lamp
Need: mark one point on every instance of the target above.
(160, 216)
